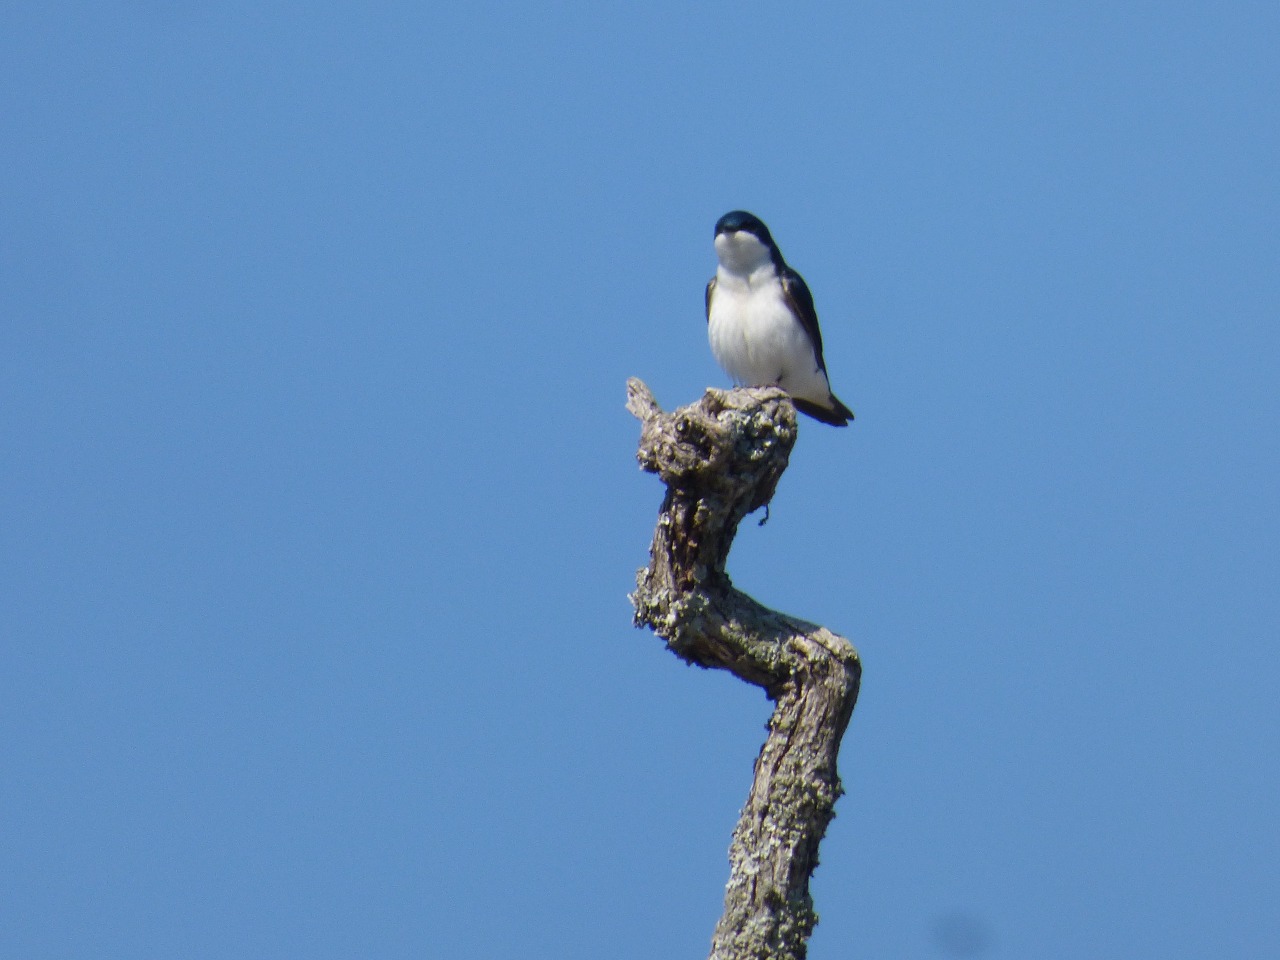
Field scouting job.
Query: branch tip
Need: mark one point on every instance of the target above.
(640, 401)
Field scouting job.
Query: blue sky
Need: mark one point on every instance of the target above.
(321, 507)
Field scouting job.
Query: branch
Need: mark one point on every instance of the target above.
(721, 458)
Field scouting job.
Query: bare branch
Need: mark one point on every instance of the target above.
(721, 458)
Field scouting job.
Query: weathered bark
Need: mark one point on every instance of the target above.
(721, 458)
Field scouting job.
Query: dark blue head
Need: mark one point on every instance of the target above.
(736, 220)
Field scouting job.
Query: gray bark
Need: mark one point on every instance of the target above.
(721, 458)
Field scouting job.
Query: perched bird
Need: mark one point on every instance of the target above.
(761, 321)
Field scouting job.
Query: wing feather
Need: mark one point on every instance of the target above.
(801, 302)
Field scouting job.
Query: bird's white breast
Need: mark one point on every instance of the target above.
(757, 339)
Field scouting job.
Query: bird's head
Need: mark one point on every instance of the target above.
(743, 242)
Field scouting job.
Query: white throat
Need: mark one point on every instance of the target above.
(742, 255)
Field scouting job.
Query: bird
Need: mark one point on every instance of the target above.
(761, 320)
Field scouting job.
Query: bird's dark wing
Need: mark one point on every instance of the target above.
(801, 302)
(711, 286)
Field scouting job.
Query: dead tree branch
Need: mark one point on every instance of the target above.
(721, 458)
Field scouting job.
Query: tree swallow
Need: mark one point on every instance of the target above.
(761, 321)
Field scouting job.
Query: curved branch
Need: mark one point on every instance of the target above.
(721, 458)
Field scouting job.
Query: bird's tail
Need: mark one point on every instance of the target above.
(835, 413)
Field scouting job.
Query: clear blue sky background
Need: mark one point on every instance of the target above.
(320, 507)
